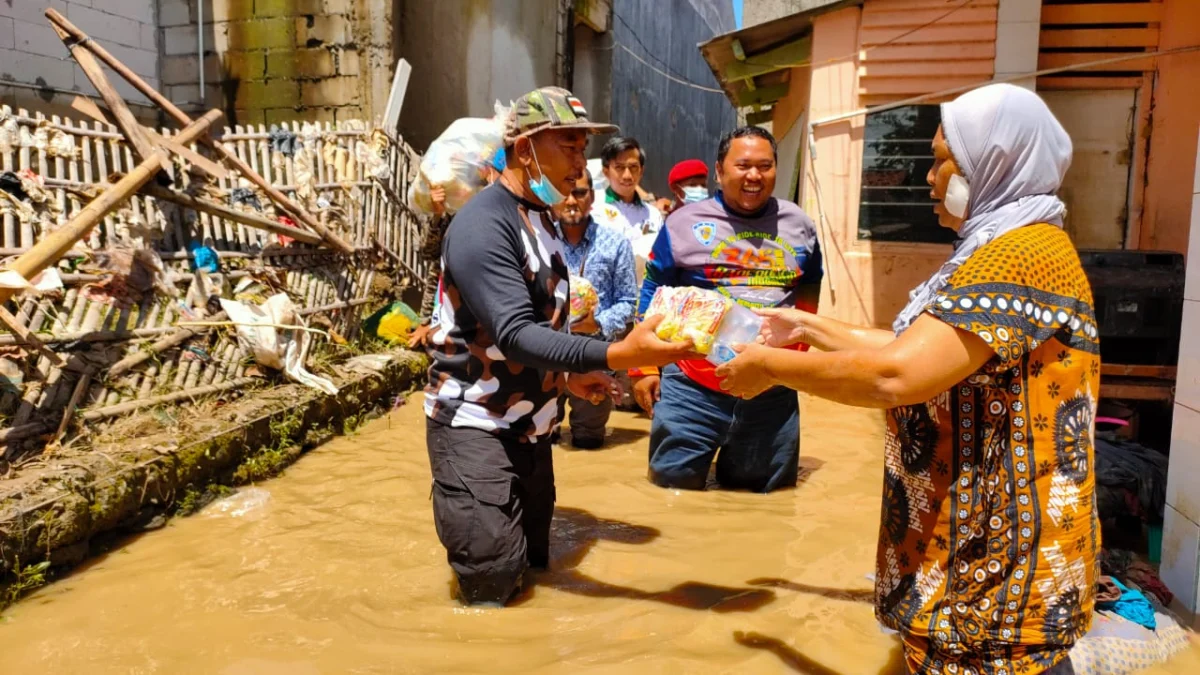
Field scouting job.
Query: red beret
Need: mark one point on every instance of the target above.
(688, 168)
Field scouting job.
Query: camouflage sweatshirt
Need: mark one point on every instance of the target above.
(501, 348)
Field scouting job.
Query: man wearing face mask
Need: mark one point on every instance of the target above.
(688, 181)
(501, 350)
(761, 252)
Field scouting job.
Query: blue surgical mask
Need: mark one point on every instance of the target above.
(542, 188)
(694, 194)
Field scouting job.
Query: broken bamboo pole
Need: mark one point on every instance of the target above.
(289, 205)
(130, 406)
(51, 249)
(173, 340)
(214, 209)
(125, 120)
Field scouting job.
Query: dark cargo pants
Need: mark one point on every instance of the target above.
(493, 500)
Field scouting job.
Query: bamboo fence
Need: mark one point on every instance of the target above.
(117, 356)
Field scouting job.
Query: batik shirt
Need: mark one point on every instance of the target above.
(989, 535)
(606, 259)
(501, 347)
(632, 219)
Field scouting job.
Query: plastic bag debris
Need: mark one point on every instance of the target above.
(458, 161)
(44, 282)
(241, 503)
(277, 348)
(370, 155)
(393, 323)
(369, 364)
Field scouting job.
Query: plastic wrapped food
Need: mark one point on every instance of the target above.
(689, 313)
(458, 161)
(583, 297)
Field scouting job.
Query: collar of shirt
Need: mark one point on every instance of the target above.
(611, 197)
(589, 235)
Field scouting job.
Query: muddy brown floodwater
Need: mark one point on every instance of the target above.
(340, 571)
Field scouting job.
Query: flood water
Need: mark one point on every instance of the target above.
(340, 571)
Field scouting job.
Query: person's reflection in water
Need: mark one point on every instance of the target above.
(576, 531)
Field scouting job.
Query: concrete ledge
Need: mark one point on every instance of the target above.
(57, 510)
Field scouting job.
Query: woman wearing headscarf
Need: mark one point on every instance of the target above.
(987, 550)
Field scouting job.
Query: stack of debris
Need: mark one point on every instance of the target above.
(103, 224)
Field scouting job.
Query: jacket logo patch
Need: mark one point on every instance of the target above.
(706, 232)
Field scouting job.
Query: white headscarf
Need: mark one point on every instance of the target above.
(1014, 154)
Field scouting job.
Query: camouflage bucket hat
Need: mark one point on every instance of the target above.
(550, 108)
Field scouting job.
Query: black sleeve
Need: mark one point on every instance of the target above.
(486, 262)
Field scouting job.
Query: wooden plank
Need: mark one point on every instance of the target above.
(1113, 12)
(1098, 37)
(794, 53)
(892, 86)
(1063, 59)
(874, 16)
(1141, 156)
(942, 53)
(916, 5)
(759, 118)
(762, 96)
(936, 34)
(1058, 82)
(1137, 391)
(1122, 370)
(977, 67)
(391, 114)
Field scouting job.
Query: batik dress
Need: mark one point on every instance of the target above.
(987, 550)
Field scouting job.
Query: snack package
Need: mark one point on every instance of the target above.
(583, 297)
(689, 313)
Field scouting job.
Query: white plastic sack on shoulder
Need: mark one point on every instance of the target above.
(457, 161)
(280, 349)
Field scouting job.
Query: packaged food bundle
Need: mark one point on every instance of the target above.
(458, 161)
(583, 297)
(689, 313)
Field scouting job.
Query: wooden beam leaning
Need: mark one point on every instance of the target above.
(220, 211)
(762, 95)
(53, 246)
(296, 210)
(126, 122)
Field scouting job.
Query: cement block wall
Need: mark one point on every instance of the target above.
(267, 61)
(36, 70)
(1181, 527)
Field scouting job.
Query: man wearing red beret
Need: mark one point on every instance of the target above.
(688, 181)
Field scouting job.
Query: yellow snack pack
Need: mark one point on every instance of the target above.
(689, 313)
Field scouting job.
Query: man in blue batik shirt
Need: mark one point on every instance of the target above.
(604, 257)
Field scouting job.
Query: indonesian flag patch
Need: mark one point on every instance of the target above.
(576, 106)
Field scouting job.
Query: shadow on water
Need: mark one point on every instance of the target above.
(576, 531)
(847, 594)
(800, 663)
(622, 436)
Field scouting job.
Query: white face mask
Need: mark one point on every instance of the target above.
(958, 196)
(694, 194)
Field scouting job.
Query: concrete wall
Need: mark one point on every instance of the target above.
(267, 61)
(466, 54)
(1181, 529)
(39, 68)
(755, 12)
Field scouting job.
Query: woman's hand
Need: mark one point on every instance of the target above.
(746, 376)
(594, 387)
(783, 327)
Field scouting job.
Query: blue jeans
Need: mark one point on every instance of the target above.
(758, 439)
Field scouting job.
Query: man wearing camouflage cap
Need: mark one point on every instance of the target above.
(501, 350)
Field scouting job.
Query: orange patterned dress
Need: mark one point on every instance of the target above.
(987, 546)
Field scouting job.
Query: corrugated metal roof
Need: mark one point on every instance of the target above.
(760, 39)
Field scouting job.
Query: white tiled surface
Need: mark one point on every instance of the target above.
(1183, 479)
(1181, 556)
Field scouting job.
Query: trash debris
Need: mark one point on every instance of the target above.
(369, 364)
(260, 330)
(283, 141)
(242, 196)
(393, 323)
(241, 503)
(46, 281)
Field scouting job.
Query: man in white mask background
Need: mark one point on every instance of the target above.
(688, 181)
